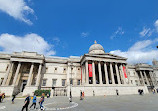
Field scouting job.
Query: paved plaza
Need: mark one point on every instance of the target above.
(148, 102)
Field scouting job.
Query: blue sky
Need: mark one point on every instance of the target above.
(65, 28)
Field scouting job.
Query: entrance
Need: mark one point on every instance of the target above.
(24, 82)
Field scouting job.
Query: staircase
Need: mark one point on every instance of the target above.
(19, 95)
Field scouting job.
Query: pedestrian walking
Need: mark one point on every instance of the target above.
(117, 93)
(83, 95)
(34, 102)
(13, 97)
(0, 97)
(80, 95)
(26, 103)
(3, 96)
(41, 101)
(93, 93)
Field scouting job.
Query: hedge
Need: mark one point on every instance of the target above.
(39, 92)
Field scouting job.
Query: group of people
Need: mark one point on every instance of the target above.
(2, 96)
(34, 100)
(140, 91)
(154, 90)
(81, 95)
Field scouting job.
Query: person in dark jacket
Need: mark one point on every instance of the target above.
(26, 103)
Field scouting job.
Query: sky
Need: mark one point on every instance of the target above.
(64, 28)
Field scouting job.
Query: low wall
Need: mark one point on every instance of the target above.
(105, 90)
(29, 90)
(8, 90)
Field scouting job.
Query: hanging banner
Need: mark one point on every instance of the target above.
(124, 70)
(90, 70)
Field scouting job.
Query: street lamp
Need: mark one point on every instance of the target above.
(71, 82)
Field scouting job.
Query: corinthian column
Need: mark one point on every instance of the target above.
(146, 78)
(7, 74)
(16, 74)
(117, 73)
(30, 75)
(87, 75)
(142, 77)
(106, 73)
(112, 74)
(38, 75)
(93, 69)
(100, 74)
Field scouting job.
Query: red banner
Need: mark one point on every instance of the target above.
(124, 70)
(90, 70)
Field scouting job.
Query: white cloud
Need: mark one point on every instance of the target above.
(84, 34)
(117, 33)
(146, 32)
(140, 52)
(156, 25)
(30, 42)
(17, 9)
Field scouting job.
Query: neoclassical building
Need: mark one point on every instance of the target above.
(96, 72)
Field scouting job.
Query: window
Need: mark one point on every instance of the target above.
(55, 70)
(78, 82)
(63, 82)
(44, 82)
(64, 71)
(54, 82)
(131, 82)
(71, 81)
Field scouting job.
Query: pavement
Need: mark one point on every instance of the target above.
(148, 102)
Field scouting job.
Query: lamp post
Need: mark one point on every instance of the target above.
(71, 82)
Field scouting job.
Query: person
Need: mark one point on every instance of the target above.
(0, 97)
(13, 97)
(34, 102)
(80, 95)
(93, 93)
(153, 91)
(26, 103)
(41, 101)
(83, 95)
(3, 96)
(157, 90)
(117, 92)
(47, 95)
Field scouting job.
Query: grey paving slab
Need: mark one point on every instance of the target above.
(147, 102)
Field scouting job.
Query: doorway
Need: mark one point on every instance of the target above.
(24, 82)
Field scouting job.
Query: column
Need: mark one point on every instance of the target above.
(68, 74)
(93, 69)
(38, 75)
(112, 74)
(100, 74)
(122, 73)
(75, 78)
(87, 75)
(117, 73)
(30, 75)
(142, 77)
(150, 73)
(138, 78)
(146, 79)
(106, 73)
(16, 73)
(10, 74)
(7, 74)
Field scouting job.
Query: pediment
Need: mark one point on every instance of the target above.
(106, 55)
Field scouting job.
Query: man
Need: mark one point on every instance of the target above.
(26, 103)
(33, 101)
(13, 97)
(117, 92)
(80, 95)
(41, 101)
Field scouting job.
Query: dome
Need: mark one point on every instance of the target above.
(96, 49)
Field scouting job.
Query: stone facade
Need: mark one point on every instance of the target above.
(25, 72)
